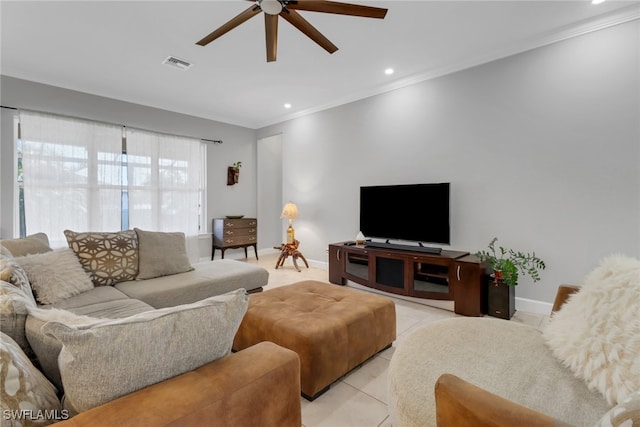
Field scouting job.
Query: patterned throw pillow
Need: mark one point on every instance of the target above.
(28, 398)
(12, 272)
(108, 257)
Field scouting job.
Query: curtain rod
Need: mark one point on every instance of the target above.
(207, 140)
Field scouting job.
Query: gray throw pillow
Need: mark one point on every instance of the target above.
(102, 361)
(161, 254)
(33, 244)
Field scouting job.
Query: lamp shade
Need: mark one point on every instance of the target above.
(290, 211)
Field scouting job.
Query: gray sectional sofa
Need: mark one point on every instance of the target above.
(84, 282)
(129, 298)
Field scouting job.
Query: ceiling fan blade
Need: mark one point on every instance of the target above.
(338, 8)
(230, 25)
(271, 33)
(295, 19)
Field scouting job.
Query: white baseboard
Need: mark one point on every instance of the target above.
(522, 304)
(533, 306)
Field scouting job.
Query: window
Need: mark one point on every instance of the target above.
(89, 176)
(164, 178)
(71, 175)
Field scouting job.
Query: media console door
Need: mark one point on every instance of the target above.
(335, 265)
(469, 283)
(430, 277)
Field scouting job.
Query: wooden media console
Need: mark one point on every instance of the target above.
(450, 275)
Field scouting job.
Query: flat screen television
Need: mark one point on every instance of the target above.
(414, 212)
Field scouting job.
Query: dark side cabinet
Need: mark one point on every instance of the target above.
(234, 233)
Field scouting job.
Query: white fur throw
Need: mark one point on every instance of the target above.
(55, 275)
(596, 334)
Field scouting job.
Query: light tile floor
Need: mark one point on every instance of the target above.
(360, 398)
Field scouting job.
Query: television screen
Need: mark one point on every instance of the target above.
(416, 212)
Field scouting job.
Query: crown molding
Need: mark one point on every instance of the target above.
(587, 26)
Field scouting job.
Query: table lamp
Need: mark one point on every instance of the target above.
(290, 211)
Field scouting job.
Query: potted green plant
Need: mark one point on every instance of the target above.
(507, 264)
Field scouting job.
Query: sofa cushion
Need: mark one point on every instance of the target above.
(48, 348)
(596, 333)
(205, 280)
(25, 391)
(108, 257)
(116, 309)
(55, 275)
(33, 244)
(99, 294)
(161, 254)
(103, 361)
(13, 315)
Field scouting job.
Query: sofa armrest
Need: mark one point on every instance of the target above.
(258, 386)
(563, 293)
(461, 404)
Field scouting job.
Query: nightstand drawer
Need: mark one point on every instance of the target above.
(231, 232)
(239, 223)
(237, 240)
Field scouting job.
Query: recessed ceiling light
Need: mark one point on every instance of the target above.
(388, 71)
(596, 1)
(287, 105)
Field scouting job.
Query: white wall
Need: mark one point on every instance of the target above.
(239, 143)
(542, 150)
(270, 191)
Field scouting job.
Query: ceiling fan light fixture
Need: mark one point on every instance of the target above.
(270, 7)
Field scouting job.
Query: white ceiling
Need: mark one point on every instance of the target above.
(115, 49)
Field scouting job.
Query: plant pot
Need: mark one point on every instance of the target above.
(233, 175)
(501, 298)
(498, 277)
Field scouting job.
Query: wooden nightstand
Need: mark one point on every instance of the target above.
(233, 234)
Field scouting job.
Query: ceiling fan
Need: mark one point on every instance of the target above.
(287, 9)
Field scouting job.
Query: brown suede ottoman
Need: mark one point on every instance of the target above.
(332, 328)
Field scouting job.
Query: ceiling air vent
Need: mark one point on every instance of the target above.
(174, 62)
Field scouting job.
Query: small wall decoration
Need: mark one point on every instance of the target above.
(233, 173)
